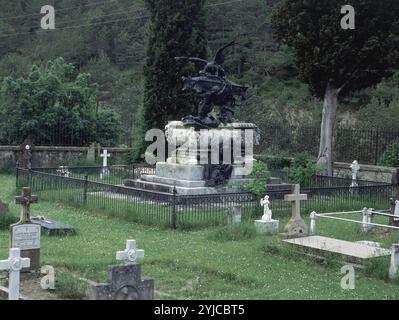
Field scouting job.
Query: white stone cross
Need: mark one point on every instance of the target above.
(355, 169)
(296, 199)
(267, 213)
(105, 155)
(130, 254)
(14, 264)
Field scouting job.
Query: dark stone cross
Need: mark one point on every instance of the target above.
(25, 157)
(24, 234)
(124, 283)
(25, 200)
(395, 199)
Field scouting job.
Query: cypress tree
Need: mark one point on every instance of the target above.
(177, 28)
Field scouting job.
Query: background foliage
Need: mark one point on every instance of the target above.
(54, 98)
(108, 39)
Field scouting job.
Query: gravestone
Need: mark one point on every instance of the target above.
(234, 215)
(25, 235)
(14, 264)
(367, 220)
(394, 221)
(355, 170)
(266, 225)
(394, 267)
(105, 171)
(351, 252)
(296, 227)
(52, 228)
(3, 208)
(313, 218)
(25, 157)
(91, 153)
(124, 281)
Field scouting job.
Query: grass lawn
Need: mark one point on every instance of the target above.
(199, 264)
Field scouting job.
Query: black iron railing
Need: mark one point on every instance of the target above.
(84, 187)
(363, 144)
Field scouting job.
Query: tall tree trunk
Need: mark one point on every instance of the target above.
(327, 128)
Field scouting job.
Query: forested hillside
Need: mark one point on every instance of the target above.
(107, 39)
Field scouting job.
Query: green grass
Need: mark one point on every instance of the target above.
(197, 264)
(69, 287)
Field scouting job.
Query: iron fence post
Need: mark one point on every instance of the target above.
(174, 217)
(17, 175)
(30, 177)
(85, 187)
(376, 147)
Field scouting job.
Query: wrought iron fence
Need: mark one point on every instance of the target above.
(363, 144)
(187, 211)
(114, 175)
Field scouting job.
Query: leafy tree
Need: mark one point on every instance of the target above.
(382, 109)
(177, 28)
(260, 173)
(336, 62)
(302, 169)
(390, 157)
(55, 105)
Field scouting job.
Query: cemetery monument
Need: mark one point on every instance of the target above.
(25, 234)
(14, 264)
(124, 281)
(296, 227)
(207, 154)
(266, 225)
(105, 171)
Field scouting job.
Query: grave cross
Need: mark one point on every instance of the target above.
(25, 200)
(14, 264)
(105, 155)
(130, 254)
(355, 169)
(296, 199)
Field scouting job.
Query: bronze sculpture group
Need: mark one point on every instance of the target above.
(214, 89)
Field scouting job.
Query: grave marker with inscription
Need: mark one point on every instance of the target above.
(25, 235)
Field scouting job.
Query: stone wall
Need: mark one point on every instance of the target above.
(367, 172)
(343, 170)
(55, 156)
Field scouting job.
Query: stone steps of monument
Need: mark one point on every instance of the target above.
(282, 187)
(273, 180)
(167, 188)
(170, 181)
